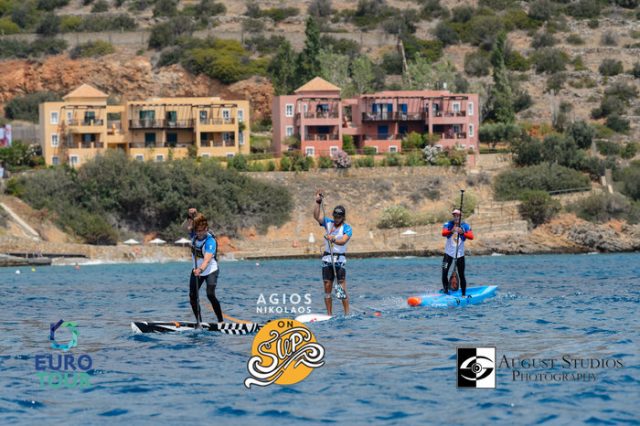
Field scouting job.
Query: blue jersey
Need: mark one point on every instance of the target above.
(338, 231)
(201, 247)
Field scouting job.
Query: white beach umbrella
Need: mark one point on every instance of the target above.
(157, 241)
(409, 232)
(183, 241)
(131, 242)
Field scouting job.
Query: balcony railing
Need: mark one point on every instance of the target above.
(88, 122)
(218, 143)
(393, 116)
(382, 137)
(459, 135)
(217, 121)
(160, 145)
(450, 113)
(321, 114)
(323, 137)
(157, 124)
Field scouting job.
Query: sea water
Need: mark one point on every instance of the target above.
(387, 364)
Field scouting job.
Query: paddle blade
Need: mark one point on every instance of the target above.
(339, 291)
(453, 282)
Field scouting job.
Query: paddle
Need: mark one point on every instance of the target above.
(337, 288)
(197, 314)
(454, 279)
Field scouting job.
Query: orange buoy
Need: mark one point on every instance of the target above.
(414, 301)
(377, 314)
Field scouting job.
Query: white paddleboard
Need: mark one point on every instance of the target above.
(313, 318)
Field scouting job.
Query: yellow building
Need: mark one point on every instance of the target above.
(84, 125)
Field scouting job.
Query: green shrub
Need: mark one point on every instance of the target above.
(635, 71)
(414, 159)
(238, 162)
(610, 67)
(617, 123)
(280, 14)
(585, 9)
(347, 145)
(550, 60)
(369, 150)
(482, 31)
(608, 148)
(102, 6)
(609, 39)
(271, 166)
(541, 10)
(477, 64)
(412, 141)
(69, 23)
(92, 49)
(630, 150)
(20, 156)
(395, 217)
(392, 63)
(514, 61)
(602, 207)
(167, 33)
(462, 13)
(527, 152)
(224, 60)
(26, 107)
(575, 39)
(518, 19)
(392, 160)
(367, 161)
(7, 26)
(509, 184)
(582, 133)
(144, 196)
(446, 34)
(538, 207)
(325, 162)
(543, 40)
(99, 23)
(630, 180)
(51, 5)
(49, 25)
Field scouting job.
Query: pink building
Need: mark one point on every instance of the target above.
(317, 116)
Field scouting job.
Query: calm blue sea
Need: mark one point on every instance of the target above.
(396, 368)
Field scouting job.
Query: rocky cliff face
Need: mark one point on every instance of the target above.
(125, 77)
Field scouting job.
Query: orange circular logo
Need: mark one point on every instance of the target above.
(284, 352)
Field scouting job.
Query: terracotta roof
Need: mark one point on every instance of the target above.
(85, 91)
(318, 85)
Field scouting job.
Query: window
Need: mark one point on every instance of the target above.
(333, 150)
(456, 107)
(74, 160)
(88, 137)
(69, 117)
(289, 131)
(393, 148)
(203, 117)
(172, 139)
(172, 117)
(469, 108)
(403, 129)
(240, 138)
(139, 157)
(470, 130)
(226, 115)
(240, 115)
(230, 155)
(288, 110)
(149, 140)
(89, 117)
(309, 151)
(54, 140)
(55, 117)
(159, 158)
(147, 117)
(383, 131)
(55, 161)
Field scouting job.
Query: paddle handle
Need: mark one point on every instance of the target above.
(455, 259)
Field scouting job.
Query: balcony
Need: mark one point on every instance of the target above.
(217, 121)
(382, 137)
(321, 114)
(393, 116)
(160, 124)
(460, 135)
(159, 145)
(323, 137)
(228, 143)
(450, 114)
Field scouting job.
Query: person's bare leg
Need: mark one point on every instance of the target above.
(327, 300)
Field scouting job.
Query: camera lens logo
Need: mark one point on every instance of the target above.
(72, 326)
(476, 368)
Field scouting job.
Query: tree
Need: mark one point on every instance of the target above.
(49, 26)
(308, 64)
(501, 96)
(362, 75)
(581, 133)
(334, 68)
(282, 70)
(320, 8)
(538, 207)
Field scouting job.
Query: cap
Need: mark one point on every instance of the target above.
(456, 211)
(339, 211)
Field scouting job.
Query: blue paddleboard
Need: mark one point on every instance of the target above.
(454, 298)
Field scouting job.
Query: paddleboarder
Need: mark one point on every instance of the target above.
(204, 251)
(338, 234)
(456, 233)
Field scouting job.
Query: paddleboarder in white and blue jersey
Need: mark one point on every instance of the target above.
(338, 234)
(456, 234)
(204, 250)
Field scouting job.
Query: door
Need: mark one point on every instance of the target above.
(149, 140)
